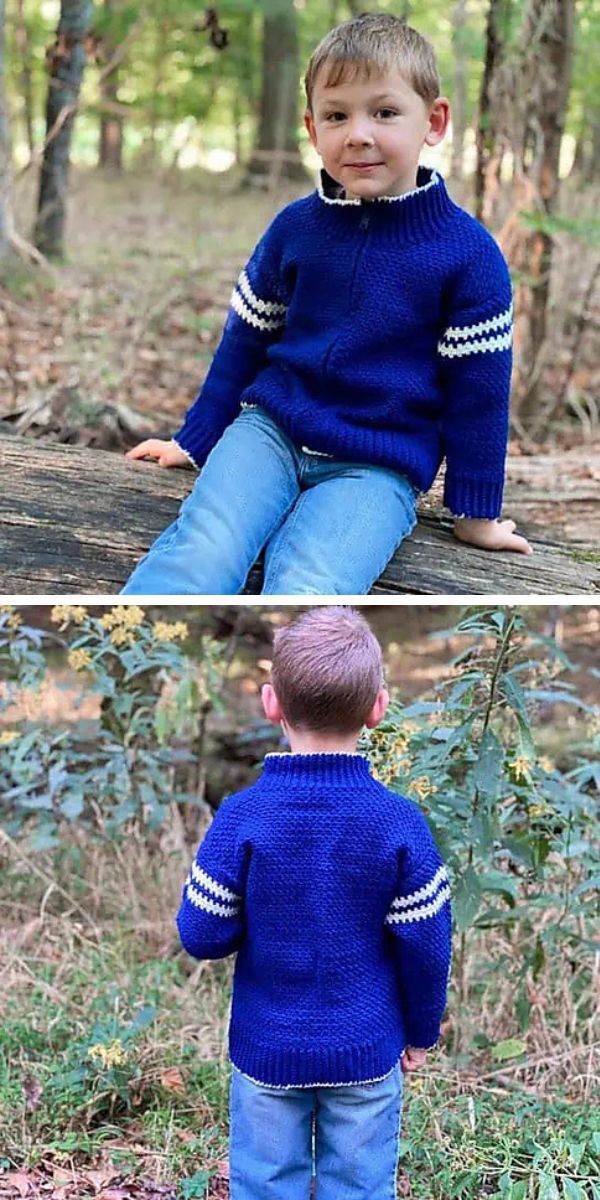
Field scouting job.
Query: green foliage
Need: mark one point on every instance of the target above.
(152, 700)
(508, 820)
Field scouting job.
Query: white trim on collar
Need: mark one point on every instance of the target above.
(418, 191)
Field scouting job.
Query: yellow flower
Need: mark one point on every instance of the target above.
(423, 787)
(537, 810)
(112, 1054)
(169, 632)
(64, 614)
(409, 727)
(14, 620)
(79, 659)
(121, 636)
(131, 615)
(546, 763)
(6, 608)
(400, 743)
(521, 768)
(126, 615)
(7, 736)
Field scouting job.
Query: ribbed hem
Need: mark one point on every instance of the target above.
(303, 1067)
(476, 498)
(324, 767)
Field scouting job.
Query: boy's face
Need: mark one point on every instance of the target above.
(381, 121)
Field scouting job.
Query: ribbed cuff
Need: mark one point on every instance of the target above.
(475, 498)
(196, 441)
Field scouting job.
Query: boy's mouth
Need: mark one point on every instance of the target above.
(364, 166)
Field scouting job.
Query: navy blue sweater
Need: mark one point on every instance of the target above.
(376, 331)
(333, 893)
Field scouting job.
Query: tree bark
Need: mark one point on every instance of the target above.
(111, 125)
(66, 63)
(459, 98)
(489, 136)
(543, 83)
(276, 154)
(5, 162)
(22, 40)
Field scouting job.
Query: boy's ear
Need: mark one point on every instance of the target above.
(377, 712)
(310, 125)
(439, 119)
(271, 706)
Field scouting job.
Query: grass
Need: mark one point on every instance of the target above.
(471, 1127)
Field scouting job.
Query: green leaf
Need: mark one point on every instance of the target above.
(577, 1150)
(487, 771)
(467, 899)
(572, 1190)
(547, 1186)
(195, 1185)
(509, 1048)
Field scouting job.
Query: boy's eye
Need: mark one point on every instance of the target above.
(391, 112)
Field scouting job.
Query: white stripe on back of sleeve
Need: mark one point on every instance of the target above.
(201, 901)
(437, 888)
(210, 885)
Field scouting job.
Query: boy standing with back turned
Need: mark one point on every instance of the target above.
(332, 892)
(368, 337)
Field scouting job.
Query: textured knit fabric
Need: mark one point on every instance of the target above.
(376, 331)
(333, 893)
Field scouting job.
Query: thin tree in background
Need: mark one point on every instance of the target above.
(277, 154)
(5, 160)
(66, 64)
(523, 110)
(111, 122)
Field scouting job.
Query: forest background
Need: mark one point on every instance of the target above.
(183, 129)
(121, 729)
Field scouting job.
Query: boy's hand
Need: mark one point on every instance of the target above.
(412, 1058)
(167, 453)
(490, 535)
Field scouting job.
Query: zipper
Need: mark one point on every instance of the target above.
(363, 224)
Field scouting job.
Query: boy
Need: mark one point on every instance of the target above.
(368, 337)
(333, 893)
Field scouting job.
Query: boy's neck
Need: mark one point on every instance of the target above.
(306, 742)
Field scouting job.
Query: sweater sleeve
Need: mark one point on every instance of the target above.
(419, 921)
(475, 355)
(210, 919)
(255, 319)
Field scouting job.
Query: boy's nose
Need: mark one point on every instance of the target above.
(360, 132)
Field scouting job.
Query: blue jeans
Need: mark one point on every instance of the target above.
(329, 527)
(356, 1140)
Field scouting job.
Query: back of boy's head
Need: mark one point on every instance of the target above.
(327, 670)
(372, 44)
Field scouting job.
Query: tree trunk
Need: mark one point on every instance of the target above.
(543, 84)
(276, 154)
(65, 70)
(22, 40)
(488, 137)
(459, 98)
(5, 163)
(111, 126)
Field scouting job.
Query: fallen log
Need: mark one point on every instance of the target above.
(75, 521)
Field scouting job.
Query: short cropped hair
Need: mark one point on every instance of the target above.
(371, 44)
(327, 670)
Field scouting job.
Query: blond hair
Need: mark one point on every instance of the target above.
(327, 670)
(372, 44)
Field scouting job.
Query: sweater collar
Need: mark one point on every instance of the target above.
(419, 212)
(317, 768)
